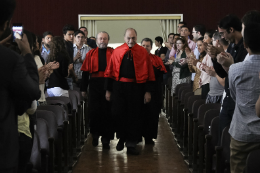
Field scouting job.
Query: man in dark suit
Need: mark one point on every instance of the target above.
(161, 51)
(20, 81)
(68, 34)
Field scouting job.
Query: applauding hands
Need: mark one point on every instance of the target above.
(192, 59)
(209, 70)
(225, 59)
(46, 70)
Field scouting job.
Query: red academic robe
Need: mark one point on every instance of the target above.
(142, 63)
(157, 63)
(90, 63)
(101, 121)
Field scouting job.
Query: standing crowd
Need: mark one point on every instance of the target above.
(125, 86)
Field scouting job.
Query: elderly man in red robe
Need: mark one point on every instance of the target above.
(130, 81)
(93, 69)
(153, 109)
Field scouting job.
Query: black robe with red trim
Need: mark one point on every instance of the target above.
(101, 122)
(143, 67)
(91, 65)
(152, 110)
(157, 63)
(128, 97)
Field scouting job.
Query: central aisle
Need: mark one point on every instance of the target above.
(163, 157)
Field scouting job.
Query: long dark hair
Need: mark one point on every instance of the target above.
(210, 33)
(57, 46)
(202, 54)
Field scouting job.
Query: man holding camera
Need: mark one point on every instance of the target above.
(21, 82)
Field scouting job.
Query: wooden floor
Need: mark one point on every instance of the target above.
(163, 157)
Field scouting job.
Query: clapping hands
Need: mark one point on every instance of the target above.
(192, 60)
(225, 59)
(43, 74)
(183, 61)
(78, 56)
(53, 65)
(169, 62)
(209, 70)
(46, 70)
(214, 51)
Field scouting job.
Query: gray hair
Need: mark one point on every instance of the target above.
(217, 36)
(130, 29)
(104, 32)
(148, 39)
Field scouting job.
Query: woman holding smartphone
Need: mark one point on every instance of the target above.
(180, 72)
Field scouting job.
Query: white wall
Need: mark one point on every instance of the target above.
(116, 29)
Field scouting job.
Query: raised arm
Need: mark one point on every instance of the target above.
(25, 79)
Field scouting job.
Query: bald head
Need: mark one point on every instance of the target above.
(130, 37)
(132, 29)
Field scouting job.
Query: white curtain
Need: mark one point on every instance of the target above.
(169, 26)
(91, 26)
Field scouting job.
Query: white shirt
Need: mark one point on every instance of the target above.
(197, 54)
(246, 57)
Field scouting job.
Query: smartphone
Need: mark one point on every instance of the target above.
(17, 31)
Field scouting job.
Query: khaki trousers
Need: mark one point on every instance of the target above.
(197, 91)
(238, 154)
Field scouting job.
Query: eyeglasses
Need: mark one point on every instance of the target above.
(194, 31)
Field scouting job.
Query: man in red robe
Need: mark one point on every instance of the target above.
(94, 66)
(153, 109)
(130, 79)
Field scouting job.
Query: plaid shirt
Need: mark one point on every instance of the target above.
(77, 64)
(244, 86)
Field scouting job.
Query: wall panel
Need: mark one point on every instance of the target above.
(41, 15)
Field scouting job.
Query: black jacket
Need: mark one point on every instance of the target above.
(239, 53)
(58, 77)
(184, 72)
(69, 47)
(19, 81)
